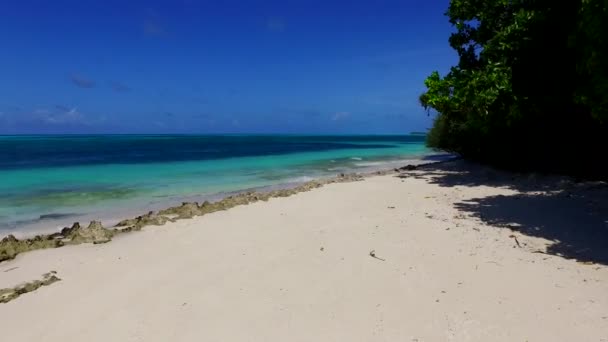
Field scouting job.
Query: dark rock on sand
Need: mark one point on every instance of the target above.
(10, 246)
(94, 233)
(6, 295)
(149, 219)
(127, 222)
(186, 210)
(409, 167)
(68, 231)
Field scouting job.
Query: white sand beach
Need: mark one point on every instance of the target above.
(461, 254)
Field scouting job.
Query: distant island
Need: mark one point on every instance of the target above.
(418, 133)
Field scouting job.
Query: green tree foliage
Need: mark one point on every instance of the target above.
(530, 90)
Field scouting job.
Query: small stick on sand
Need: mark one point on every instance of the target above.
(516, 241)
(372, 253)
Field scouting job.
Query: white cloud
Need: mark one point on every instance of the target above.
(59, 115)
(41, 111)
(340, 116)
(72, 116)
(81, 81)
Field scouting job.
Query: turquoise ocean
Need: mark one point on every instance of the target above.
(47, 182)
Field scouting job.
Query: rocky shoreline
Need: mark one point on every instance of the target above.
(95, 233)
(6, 295)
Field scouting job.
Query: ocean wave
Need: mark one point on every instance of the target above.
(356, 158)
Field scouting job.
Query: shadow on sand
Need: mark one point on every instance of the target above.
(574, 215)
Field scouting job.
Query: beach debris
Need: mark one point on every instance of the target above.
(8, 294)
(322, 249)
(516, 241)
(11, 269)
(372, 253)
(391, 207)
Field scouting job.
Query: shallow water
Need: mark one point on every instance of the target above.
(49, 182)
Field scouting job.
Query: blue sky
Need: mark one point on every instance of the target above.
(201, 66)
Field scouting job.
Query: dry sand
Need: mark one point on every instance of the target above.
(299, 268)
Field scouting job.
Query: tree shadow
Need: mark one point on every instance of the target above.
(450, 173)
(571, 214)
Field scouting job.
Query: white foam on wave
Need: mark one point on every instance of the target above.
(386, 164)
(356, 158)
(365, 164)
(301, 179)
